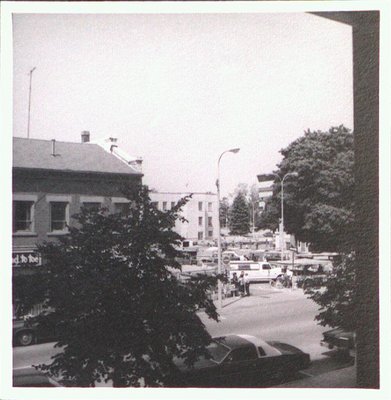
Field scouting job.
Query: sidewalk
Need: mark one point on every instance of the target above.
(340, 378)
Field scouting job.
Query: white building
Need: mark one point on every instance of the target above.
(200, 211)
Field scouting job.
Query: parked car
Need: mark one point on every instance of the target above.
(30, 377)
(243, 361)
(26, 332)
(233, 256)
(257, 271)
(311, 273)
(340, 340)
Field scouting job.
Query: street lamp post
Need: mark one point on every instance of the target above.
(282, 233)
(253, 221)
(219, 269)
(28, 116)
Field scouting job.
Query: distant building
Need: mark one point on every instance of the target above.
(201, 212)
(52, 179)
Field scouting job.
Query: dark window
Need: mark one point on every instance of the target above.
(266, 266)
(155, 204)
(210, 233)
(200, 235)
(209, 207)
(58, 216)
(242, 354)
(200, 206)
(261, 351)
(210, 221)
(22, 216)
(172, 204)
(164, 205)
(199, 221)
(121, 208)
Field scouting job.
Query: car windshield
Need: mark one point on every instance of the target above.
(218, 351)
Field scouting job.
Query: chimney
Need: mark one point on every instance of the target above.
(85, 136)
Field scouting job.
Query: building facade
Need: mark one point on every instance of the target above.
(201, 213)
(51, 181)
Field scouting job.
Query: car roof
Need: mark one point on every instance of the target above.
(242, 340)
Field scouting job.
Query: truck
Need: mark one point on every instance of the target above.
(256, 271)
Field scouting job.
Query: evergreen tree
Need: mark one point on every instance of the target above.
(123, 316)
(239, 223)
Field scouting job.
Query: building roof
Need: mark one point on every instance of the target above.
(71, 157)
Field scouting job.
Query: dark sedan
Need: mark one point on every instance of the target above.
(340, 340)
(32, 330)
(244, 361)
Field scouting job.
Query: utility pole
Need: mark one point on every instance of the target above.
(28, 120)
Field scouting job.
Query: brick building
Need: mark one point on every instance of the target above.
(51, 180)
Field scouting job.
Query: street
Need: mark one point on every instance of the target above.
(272, 314)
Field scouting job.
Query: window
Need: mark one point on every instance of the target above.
(210, 234)
(209, 207)
(266, 266)
(261, 351)
(200, 206)
(155, 204)
(199, 221)
(59, 216)
(242, 354)
(121, 208)
(210, 221)
(200, 235)
(164, 206)
(172, 204)
(23, 216)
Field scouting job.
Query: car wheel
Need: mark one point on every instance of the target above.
(25, 338)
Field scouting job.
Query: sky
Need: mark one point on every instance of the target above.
(177, 90)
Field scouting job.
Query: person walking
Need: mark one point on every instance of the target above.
(242, 284)
(235, 282)
(246, 284)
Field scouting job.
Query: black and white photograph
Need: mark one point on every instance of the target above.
(196, 197)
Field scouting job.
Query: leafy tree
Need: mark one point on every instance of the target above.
(224, 212)
(319, 202)
(338, 299)
(123, 315)
(239, 223)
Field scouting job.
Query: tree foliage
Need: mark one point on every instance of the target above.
(319, 202)
(123, 315)
(239, 222)
(337, 300)
(224, 212)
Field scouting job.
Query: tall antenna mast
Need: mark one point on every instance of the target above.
(28, 120)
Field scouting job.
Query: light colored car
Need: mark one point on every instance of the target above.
(256, 271)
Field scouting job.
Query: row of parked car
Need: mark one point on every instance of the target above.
(232, 361)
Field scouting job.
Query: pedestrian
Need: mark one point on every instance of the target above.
(242, 284)
(247, 285)
(235, 282)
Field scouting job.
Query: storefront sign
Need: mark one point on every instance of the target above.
(26, 259)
